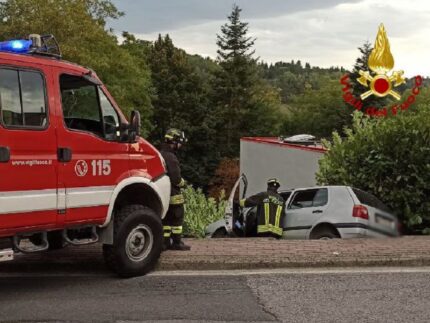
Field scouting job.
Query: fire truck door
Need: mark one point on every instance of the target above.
(92, 157)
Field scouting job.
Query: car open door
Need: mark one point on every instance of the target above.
(230, 216)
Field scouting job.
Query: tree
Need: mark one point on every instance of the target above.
(318, 112)
(181, 101)
(226, 175)
(79, 27)
(389, 157)
(233, 43)
(244, 102)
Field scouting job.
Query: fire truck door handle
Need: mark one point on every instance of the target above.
(317, 211)
(64, 155)
(4, 154)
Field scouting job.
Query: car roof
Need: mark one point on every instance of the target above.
(317, 187)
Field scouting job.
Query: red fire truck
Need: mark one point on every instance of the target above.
(73, 170)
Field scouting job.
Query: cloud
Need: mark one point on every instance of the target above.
(146, 16)
(323, 36)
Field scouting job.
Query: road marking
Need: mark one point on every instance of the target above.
(294, 271)
(256, 272)
(54, 275)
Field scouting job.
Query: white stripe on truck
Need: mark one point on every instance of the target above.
(27, 201)
(88, 196)
(44, 200)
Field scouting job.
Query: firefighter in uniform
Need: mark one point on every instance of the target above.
(172, 223)
(270, 210)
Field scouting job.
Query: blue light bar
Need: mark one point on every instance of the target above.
(16, 46)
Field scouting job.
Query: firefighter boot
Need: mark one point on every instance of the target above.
(178, 244)
(167, 243)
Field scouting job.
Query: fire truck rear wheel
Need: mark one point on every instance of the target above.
(138, 239)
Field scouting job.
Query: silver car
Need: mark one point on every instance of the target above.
(321, 212)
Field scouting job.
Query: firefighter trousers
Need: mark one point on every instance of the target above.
(172, 223)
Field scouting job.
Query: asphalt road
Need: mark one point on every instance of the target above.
(355, 295)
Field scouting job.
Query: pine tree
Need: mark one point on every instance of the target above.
(233, 42)
(245, 103)
(181, 101)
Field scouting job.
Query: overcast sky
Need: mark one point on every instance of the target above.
(322, 32)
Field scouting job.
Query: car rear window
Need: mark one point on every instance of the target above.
(370, 200)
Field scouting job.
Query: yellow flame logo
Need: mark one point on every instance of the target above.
(381, 61)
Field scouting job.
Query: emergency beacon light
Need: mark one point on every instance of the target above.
(45, 45)
(16, 46)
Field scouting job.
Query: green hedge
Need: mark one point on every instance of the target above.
(389, 157)
(201, 211)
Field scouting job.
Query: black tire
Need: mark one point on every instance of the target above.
(220, 233)
(134, 224)
(55, 240)
(325, 234)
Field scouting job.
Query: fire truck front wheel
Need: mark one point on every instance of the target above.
(138, 238)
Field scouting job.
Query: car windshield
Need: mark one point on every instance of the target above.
(370, 200)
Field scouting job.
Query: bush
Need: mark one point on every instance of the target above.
(387, 157)
(226, 175)
(201, 211)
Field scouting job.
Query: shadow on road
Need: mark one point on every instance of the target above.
(69, 261)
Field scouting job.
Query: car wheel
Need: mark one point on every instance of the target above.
(138, 239)
(325, 235)
(220, 233)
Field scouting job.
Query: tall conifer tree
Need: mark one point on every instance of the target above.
(181, 101)
(245, 103)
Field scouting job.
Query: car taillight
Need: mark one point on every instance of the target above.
(360, 211)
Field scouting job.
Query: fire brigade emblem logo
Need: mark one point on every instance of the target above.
(81, 168)
(380, 81)
(381, 62)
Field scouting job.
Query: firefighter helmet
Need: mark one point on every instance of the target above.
(175, 136)
(273, 182)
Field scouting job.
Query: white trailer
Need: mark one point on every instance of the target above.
(293, 165)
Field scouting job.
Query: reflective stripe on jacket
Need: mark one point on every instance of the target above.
(270, 211)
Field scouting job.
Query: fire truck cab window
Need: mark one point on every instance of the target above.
(110, 117)
(86, 108)
(22, 99)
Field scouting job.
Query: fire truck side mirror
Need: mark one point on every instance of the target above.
(134, 128)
